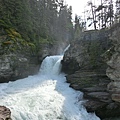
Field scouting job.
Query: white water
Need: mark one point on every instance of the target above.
(45, 96)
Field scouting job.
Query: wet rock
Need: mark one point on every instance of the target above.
(94, 86)
(88, 81)
(5, 113)
(103, 110)
(99, 96)
(95, 89)
(96, 105)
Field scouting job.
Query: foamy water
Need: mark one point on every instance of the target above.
(45, 96)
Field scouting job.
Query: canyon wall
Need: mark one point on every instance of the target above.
(85, 66)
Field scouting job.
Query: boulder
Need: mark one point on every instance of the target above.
(5, 113)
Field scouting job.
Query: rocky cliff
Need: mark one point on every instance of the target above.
(87, 72)
(16, 66)
(85, 53)
(20, 64)
(113, 71)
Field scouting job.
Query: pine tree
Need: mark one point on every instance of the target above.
(77, 29)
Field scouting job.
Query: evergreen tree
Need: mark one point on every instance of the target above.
(117, 15)
(77, 29)
(37, 21)
(102, 14)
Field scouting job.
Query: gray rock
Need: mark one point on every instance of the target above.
(83, 62)
(86, 52)
(15, 66)
(5, 113)
(113, 71)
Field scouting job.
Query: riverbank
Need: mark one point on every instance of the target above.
(85, 66)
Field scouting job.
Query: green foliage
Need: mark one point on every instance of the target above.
(78, 28)
(13, 33)
(33, 23)
(4, 24)
(14, 42)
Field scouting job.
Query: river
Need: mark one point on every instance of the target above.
(45, 96)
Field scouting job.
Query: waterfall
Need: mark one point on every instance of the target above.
(51, 65)
(45, 96)
(66, 48)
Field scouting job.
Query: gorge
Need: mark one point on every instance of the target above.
(34, 85)
(45, 96)
(87, 71)
(84, 63)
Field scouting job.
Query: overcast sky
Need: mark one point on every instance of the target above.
(77, 6)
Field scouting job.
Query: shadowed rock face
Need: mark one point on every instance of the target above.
(113, 71)
(87, 72)
(85, 53)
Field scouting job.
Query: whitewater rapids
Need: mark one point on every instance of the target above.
(45, 96)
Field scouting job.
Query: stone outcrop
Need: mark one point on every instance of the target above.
(14, 66)
(21, 64)
(85, 53)
(86, 71)
(5, 113)
(113, 71)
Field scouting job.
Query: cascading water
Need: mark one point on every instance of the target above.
(51, 65)
(45, 96)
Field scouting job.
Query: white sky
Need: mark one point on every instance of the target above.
(77, 6)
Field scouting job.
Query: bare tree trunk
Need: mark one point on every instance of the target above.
(102, 14)
(93, 14)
